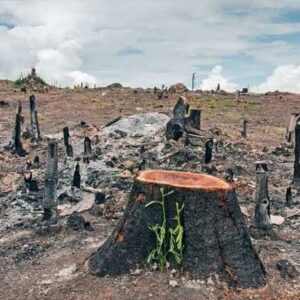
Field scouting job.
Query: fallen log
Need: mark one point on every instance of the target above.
(214, 235)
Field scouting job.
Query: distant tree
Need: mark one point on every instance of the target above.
(193, 81)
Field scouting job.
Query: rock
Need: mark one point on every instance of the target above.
(109, 163)
(245, 211)
(121, 133)
(3, 103)
(277, 220)
(67, 273)
(83, 205)
(115, 85)
(77, 222)
(136, 272)
(173, 283)
(126, 174)
(128, 165)
(99, 197)
(286, 269)
(96, 211)
(178, 88)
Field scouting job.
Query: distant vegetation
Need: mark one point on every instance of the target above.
(23, 81)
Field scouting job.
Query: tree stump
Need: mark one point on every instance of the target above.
(35, 128)
(49, 202)
(215, 237)
(296, 177)
(262, 209)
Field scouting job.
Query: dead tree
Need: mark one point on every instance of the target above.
(208, 151)
(296, 178)
(219, 147)
(49, 202)
(194, 119)
(288, 197)
(76, 177)
(30, 183)
(35, 128)
(180, 124)
(244, 131)
(16, 144)
(237, 95)
(294, 118)
(193, 81)
(87, 150)
(215, 235)
(68, 146)
(262, 209)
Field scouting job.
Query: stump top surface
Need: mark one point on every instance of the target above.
(184, 180)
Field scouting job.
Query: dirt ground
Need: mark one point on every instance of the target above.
(52, 265)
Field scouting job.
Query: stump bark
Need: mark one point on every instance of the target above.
(215, 235)
(262, 209)
(68, 146)
(35, 128)
(296, 177)
(49, 202)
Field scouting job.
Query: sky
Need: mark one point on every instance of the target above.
(146, 43)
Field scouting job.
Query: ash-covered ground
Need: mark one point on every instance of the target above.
(48, 262)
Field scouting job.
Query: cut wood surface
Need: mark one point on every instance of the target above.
(215, 236)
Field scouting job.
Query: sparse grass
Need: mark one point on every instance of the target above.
(23, 81)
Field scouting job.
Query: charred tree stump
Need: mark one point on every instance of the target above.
(16, 144)
(175, 127)
(294, 118)
(68, 146)
(288, 197)
(194, 119)
(87, 150)
(49, 202)
(237, 95)
(180, 124)
(244, 131)
(35, 128)
(215, 237)
(219, 147)
(76, 177)
(262, 209)
(30, 183)
(208, 151)
(296, 178)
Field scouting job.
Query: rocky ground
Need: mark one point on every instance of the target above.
(40, 262)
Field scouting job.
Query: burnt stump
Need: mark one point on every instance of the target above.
(215, 239)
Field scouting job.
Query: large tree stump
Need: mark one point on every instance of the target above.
(215, 235)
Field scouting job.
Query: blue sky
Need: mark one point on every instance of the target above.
(150, 42)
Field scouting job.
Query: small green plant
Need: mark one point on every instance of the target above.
(162, 235)
(176, 237)
(159, 253)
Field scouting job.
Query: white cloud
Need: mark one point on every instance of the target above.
(160, 42)
(216, 77)
(80, 77)
(284, 78)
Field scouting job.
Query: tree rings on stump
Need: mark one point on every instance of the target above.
(215, 235)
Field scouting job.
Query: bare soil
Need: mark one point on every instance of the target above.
(52, 265)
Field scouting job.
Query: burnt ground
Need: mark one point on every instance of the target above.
(41, 263)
